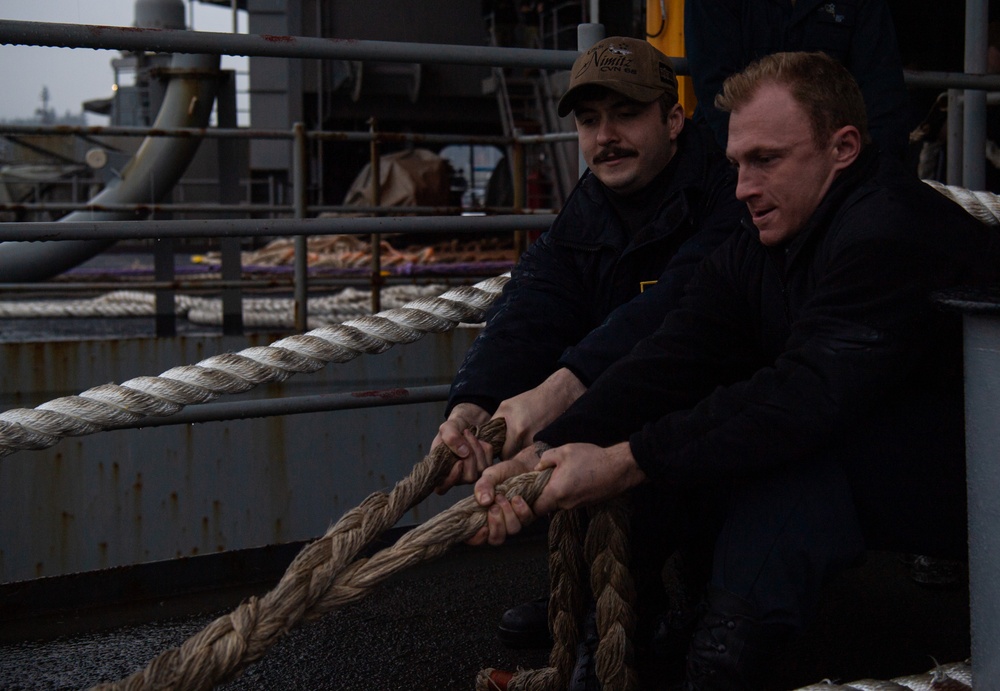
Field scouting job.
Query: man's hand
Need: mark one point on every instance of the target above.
(504, 517)
(456, 434)
(584, 474)
(532, 411)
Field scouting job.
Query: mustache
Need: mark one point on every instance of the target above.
(616, 152)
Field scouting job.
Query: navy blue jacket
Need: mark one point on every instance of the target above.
(574, 297)
(722, 37)
(829, 344)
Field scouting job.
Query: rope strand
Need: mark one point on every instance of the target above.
(108, 405)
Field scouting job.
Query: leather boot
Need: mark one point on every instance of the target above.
(526, 625)
(731, 649)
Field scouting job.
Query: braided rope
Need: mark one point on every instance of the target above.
(984, 206)
(954, 676)
(108, 405)
(607, 551)
(257, 312)
(323, 576)
(603, 545)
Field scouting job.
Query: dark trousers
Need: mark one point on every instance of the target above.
(774, 540)
(782, 536)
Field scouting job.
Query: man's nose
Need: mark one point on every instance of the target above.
(747, 185)
(606, 131)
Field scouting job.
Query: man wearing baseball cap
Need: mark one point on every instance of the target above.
(657, 198)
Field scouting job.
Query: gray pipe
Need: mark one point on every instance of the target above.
(153, 171)
(982, 407)
(149, 176)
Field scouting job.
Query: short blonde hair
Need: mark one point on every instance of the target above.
(821, 85)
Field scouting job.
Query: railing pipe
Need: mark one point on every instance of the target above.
(249, 133)
(954, 125)
(376, 238)
(268, 227)
(198, 207)
(981, 333)
(300, 176)
(295, 405)
(60, 35)
(519, 183)
(174, 41)
(974, 117)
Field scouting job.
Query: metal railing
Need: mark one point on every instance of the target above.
(299, 210)
(130, 38)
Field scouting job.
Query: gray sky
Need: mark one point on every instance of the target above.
(77, 75)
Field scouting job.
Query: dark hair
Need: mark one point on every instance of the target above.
(821, 85)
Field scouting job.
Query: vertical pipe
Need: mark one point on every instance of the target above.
(163, 270)
(299, 177)
(229, 189)
(518, 167)
(953, 147)
(974, 163)
(982, 410)
(376, 237)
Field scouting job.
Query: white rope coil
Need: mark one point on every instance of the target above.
(111, 405)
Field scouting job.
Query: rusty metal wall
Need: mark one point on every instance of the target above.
(132, 496)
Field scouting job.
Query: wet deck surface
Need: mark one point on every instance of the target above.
(433, 627)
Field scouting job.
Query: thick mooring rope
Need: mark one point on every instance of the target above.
(108, 405)
(257, 312)
(985, 206)
(955, 676)
(325, 575)
(603, 547)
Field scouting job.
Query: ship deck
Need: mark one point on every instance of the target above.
(433, 627)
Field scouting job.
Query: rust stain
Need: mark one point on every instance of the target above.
(273, 38)
(65, 530)
(101, 29)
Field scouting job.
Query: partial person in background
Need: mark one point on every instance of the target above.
(723, 36)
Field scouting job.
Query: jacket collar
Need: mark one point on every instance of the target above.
(843, 186)
(690, 165)
(863, 169)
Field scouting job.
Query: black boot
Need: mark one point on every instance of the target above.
(527, 625)
(731, 649)
(662, 663)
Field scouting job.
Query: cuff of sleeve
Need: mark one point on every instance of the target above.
(586, 369)
(647, 462)
(488, 404)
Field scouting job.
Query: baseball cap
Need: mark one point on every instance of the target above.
(631, 67)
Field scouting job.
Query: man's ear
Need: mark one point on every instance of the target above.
(676, 119)
(846, 143)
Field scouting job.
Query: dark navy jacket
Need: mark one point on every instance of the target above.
(724, 36)
(574, 297)
(828, 345)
